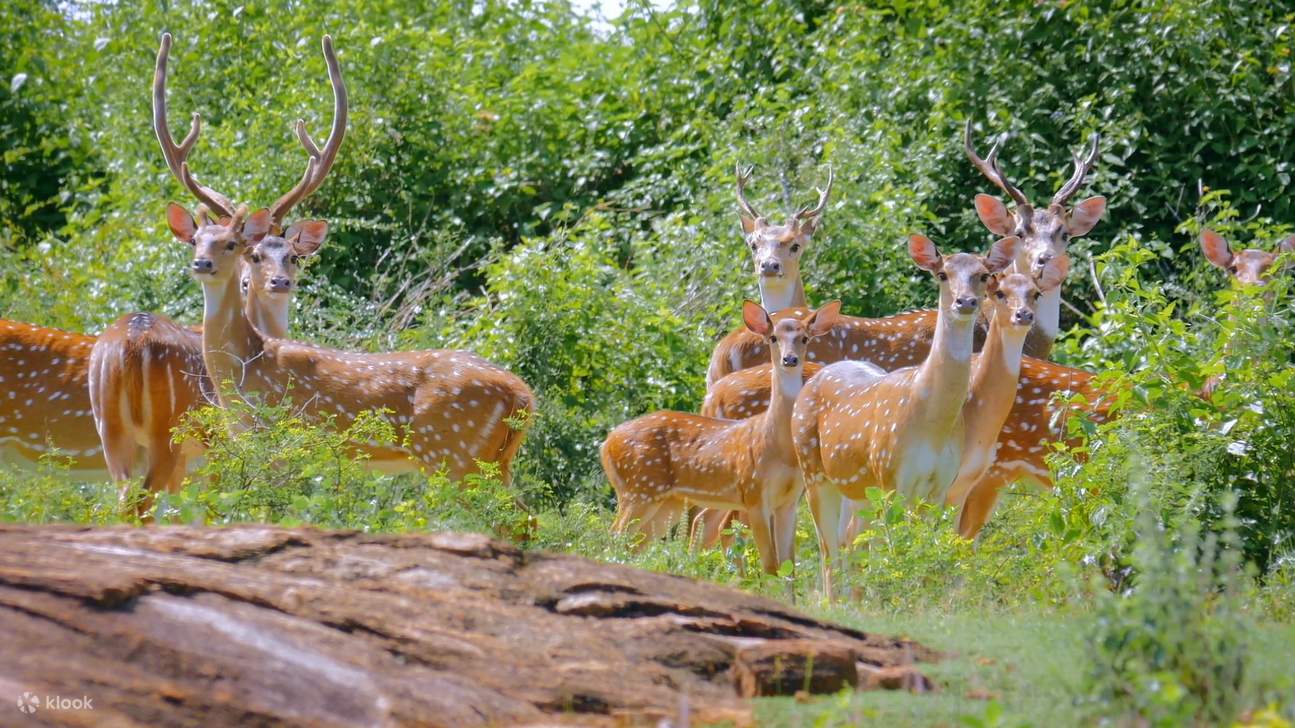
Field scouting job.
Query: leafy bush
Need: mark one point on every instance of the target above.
(1172, 651)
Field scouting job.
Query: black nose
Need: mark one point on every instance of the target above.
(280, 283)
(966, 303)
(1024, 316)
(203, 265)
(790, 360)
(770, 266)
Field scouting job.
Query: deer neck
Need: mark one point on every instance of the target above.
(777, 293)
(785, 386)
(1047, 320)
(943, 378)
(993, 381)
(268, 315)
(229, 341)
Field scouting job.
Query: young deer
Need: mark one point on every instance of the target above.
(44, 400)
(1044, 234)
(449, 408)
(854, 428)
(146, 370)
(656, 461)
(996, 371)
(776, 250)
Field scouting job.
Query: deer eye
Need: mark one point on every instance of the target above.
(1232, 269)
(256, 257)
(795, 247)
(804, 339)
(753, 247)
(295, 259)
(1038, 295)
(942, 276)
(1064, 236)
(1000, 295)
(773, 339)
(984, 277)
(231, 245)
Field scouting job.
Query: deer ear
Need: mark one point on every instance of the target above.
(1216, 248)
(1054, 273)
(181, 223)
(749, 224)
(307, 236)
(821, 321)
(1287, 245)
(1085, 215)
(994, 214)
(257, 226)
(924, 253)
(1001, 255)
(756, 318)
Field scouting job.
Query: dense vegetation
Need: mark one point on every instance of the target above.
(557, 196)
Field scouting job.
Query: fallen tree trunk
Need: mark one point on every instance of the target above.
(267, 626)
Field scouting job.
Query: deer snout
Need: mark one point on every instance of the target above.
(790, 360)
(280, 284)
(1023, 316)
(966, 304)
(770, 267)
(204, 266)
(1041, 261)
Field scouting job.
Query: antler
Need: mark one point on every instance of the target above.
(744, 176)
(989, 167)
(177, 154)
(808, 212)
(320, 162)
(1082, 168)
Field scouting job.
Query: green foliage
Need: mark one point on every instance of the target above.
(1173, 650)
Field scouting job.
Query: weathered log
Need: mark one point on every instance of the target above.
(265, 626)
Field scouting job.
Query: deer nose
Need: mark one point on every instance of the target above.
(790, 360)
(967, 304)
(1041, 260)
(204, 265)
(280, 283)
(770, 267)
(1024, 316)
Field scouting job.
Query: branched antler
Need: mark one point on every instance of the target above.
(176, 155)
(320, 162)
(1082, 167)
(989, 167)
(808, 212)
(744, 176)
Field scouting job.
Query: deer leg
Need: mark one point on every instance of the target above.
(825, 506)
(761, 518)
(978, 505)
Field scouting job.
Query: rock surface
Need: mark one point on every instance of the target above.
(255, 626)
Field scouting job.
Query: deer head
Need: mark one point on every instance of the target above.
(789, 336)
(776, 249)
(1014, 298)
(218, 247)
(1249, 267)
(963, 277)
(1045, 233)
(273, 262)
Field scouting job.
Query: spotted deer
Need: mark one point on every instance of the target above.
(146, 370)
(1044, 233)
(855, 427)
(776, 251)
(44, 398)
(658, 460)
(1250, 267)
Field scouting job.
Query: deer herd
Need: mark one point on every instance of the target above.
(945, 405)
